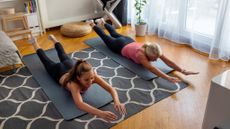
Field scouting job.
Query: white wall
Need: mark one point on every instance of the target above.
(58, 12)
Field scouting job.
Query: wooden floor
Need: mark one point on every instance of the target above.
(185, 109)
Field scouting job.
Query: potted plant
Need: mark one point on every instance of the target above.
(140, 25)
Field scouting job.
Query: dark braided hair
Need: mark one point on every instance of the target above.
(80, 67)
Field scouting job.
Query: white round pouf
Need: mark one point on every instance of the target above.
(75, 29)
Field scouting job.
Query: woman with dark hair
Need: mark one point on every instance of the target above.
(77, 78)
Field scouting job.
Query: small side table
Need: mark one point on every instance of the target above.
(217, 114)
(16, 31)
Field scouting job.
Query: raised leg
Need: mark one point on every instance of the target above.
(60, 50)
(112, 31)
(107, 39)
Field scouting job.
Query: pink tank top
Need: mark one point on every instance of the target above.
(130, 51)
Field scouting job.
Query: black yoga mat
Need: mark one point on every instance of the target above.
(142, 72)
(62, 99)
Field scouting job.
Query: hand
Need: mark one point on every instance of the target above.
(185, 72)
(120, 107)
(173, 79)
(108, 116)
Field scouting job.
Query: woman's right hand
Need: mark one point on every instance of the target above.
(173, 79)
(108, 116)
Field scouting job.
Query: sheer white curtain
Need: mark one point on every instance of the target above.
(204, 24)
(220, 48)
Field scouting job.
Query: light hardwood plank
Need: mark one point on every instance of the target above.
(183, 110)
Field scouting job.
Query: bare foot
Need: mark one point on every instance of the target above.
(100, 21)
(34, 42)
(91, 23)
(52, 38)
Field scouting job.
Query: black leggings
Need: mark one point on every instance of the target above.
(116, 41)
(56, 70)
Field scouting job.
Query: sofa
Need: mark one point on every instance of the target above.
(9, 55)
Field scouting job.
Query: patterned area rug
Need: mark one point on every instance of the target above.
(23, 104)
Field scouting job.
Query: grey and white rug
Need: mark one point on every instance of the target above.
(23, 104)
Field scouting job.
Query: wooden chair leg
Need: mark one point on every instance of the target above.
(25, 30)
(4, 25)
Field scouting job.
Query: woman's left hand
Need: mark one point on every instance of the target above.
(120, 107)
(185, 72)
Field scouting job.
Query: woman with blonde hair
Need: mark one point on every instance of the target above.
(140, 53)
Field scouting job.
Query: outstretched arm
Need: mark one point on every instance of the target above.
(146, 63)
(175, 66)
(117, 105)
(75, 91)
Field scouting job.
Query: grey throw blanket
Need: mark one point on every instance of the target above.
(8, 55)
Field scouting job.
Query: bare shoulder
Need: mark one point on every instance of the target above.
(141, 56)
(73, 86)
(97, 78)
(164, 58)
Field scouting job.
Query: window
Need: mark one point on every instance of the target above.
(201, 16)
